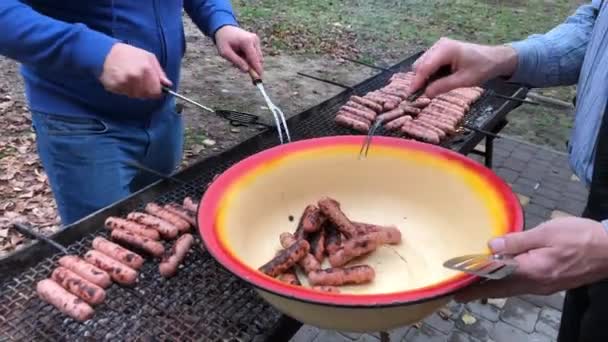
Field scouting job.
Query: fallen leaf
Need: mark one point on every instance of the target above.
(468, 319)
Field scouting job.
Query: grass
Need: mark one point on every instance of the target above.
(382, 31)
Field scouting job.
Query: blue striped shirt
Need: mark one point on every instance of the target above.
(575, 52)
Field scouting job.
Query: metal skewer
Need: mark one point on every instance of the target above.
(24, 229)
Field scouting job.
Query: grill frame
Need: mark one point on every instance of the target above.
(20, 270)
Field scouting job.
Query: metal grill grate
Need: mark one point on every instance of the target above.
(203, 302)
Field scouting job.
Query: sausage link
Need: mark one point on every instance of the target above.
(127, 257)
(360, 113)
(444, 126)
(354, 117)
(191, 205)
(286, 259)
(397, 123)
(351, 123)
(440, 133)
(134, 227)
(421, 102)
(438, 115)
(359, 274)
(408, 108)
(290, 277)
(78, 286)
(333, 239)
(163, 214)
(330, 289)
(390, 105)
(170, 262)
(419, 132)
(454, 100)
(354, 248)
(52, 293)
(181, 212)
(317, 244)
(391, 115)
(119, 272)
(166, 229)
(89, 272)
(367, 103)
(390, 96)
(359, 106)
(155, 248)
(309, 263)
(331, 209)
(382, 234)
(312, 219)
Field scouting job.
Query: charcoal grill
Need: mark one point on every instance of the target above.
(203, 302)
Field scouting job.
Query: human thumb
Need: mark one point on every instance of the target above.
(516, 243)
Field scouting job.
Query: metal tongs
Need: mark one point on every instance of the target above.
(442, 72)
(489, 266)
(279, 117)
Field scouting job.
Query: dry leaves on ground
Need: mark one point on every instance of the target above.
(25, 195)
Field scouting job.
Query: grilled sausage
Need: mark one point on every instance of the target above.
(442, 125)
(89, 272)
(170, 262)
(333, 239)
(317, 244)
(397, 123)
(162, 213)
(78, 286)
(418, 132)
(331, 209)
(155, 248)
(382, 234)
(359, 106)
(308, 263)
(290, 277)
(52, 293)
(367, 103)
(391, 115)
(286, 259)
(351, 123)
(166, 229)
(359, 274)
(191, 205)
(360, 113)
(119, 272)
(331, 289)
(127, 257)
(354, 117)
(133, 227)
(441, 134)
(181, 212)
(312, 219)
(354, 248)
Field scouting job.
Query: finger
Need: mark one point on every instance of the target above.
(518, 243)
(229, 54)
(149, 85)
(164, 80)
(445, 84)
(252, 56)
(437, 56)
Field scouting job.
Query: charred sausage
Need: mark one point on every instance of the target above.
(359, 274)
(308, 263)
(166, 229)
(153, 247)
(317, 244)
(119, 272)
(52, 293)
(290, 277)
(330, 289)
(170, 262)
(134, 227)
(312, 219)
(84, 269)
(78, 286)
(391, 115)
(331, 209)
(354, 248)
(286, 259)
(164, 214)
(333, 239)
(127, 257)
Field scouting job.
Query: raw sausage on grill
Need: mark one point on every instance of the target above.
(162, 213)
(166, 229)
(286, 259)
(367, 103)
(191, 205)
(133, 227)
(359, 106)
(78, 286)
(119, 272)
(359, 274)
(360, 113)
(181, 212)
(170, 262)
(52, 293)
(397, 123)
(351, 123)
(89, 272)
(153, 247)
(127, 257)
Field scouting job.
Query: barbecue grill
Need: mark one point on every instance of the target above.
(203, 302)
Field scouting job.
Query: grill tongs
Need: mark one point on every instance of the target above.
(279, 117)
(442, 72)
(489, 266)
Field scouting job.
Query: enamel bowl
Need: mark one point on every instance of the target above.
(445, 205)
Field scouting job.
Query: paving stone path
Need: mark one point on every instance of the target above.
(546, 189)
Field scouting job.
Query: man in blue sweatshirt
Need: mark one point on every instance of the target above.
(93, 73)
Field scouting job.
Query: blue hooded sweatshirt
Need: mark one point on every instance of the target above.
(62, 46)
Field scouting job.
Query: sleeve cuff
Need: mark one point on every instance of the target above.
(528, 57)
(92, 49)
(219, 20)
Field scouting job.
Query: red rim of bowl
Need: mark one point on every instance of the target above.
(209, 204)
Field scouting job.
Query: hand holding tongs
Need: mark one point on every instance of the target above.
(278, 115)
(444, 71)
